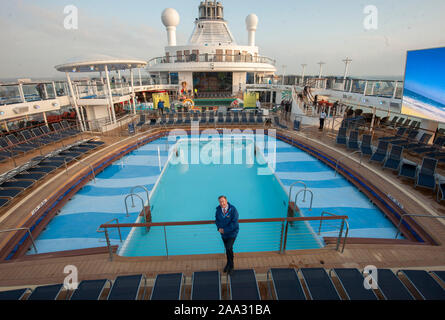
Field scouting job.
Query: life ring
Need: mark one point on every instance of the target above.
(234, 103)
(188, 103)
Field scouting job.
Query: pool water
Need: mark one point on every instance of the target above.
(190, 192)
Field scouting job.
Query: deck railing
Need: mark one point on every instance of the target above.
(273, 234)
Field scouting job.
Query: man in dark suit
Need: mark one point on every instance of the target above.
(226, 219)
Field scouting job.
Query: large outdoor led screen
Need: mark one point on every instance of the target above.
(424, 87)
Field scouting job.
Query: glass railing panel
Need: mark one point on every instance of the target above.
(34, 91)
(384, 89)
(10, 94)
(50, 91)
(358, 86)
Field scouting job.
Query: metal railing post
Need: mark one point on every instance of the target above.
(107, 238)
(28, 231)
(165, 239)
(285, 237)
(340, 233)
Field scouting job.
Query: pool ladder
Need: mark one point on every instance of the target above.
(305, 190)
(144, 210)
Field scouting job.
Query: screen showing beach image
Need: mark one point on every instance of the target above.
(424, 87)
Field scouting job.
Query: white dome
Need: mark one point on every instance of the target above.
(170, 17)
(252, 21)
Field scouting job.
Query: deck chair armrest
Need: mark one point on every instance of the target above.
(406, 161)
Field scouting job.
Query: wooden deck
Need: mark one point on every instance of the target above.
(49, 269)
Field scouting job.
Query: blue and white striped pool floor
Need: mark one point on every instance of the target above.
(96, 203)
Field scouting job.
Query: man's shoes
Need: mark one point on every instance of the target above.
(226, 268)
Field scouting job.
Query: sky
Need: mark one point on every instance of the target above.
(293, 32)
(425, 73)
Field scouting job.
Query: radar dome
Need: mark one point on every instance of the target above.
(170, 17)
(252, 21)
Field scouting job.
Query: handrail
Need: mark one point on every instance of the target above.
(27, 229)
(414, 215)
(146, 191)
(188, 223)
(205, 222)
(119, 229)
(86, 165)
(290, 190)
(347, 156)
(305, 190)
(344, 220)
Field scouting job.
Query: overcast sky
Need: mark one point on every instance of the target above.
(293, 32)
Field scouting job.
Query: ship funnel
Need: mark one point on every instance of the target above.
(251, 25)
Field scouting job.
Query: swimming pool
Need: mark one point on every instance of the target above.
(75, 227)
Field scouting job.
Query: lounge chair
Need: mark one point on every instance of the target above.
(353, 140)
(391, 287)
(408, 169)
(251, 118)
(30, 176)
(286, 285)
(440, 275)
(17, 184)
(69, 128)
(4, 202)
(168, 287)
(427, 287)
(127, 287)
(187, 120)
(319, 285)
(16, 143)
(206, 285)
(50, 292)
(61, 131)
(392, 123)
(411, 137)
(15, 150)
(141, 121)
(11, 192)
(236, 118)
(351, 281)
(394, 158)
(260, 119)
(17, 294)
(297, 125)
(341, 136)
(278, 124)
(400, 132)
(212, 117)
(426, 174)
(228, 117)
(179, 120)
(220, 117)
(399, 123)
(90, 289)
(438, 143)
(365, 145)
(243, 285)
(244, 118)
(419, 144)
(380, 154)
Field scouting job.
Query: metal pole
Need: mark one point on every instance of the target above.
(110, 96)
(73, 95)
(165, 238)
(340, 233)
(110, 251)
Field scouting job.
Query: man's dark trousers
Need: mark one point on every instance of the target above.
(228, 244)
